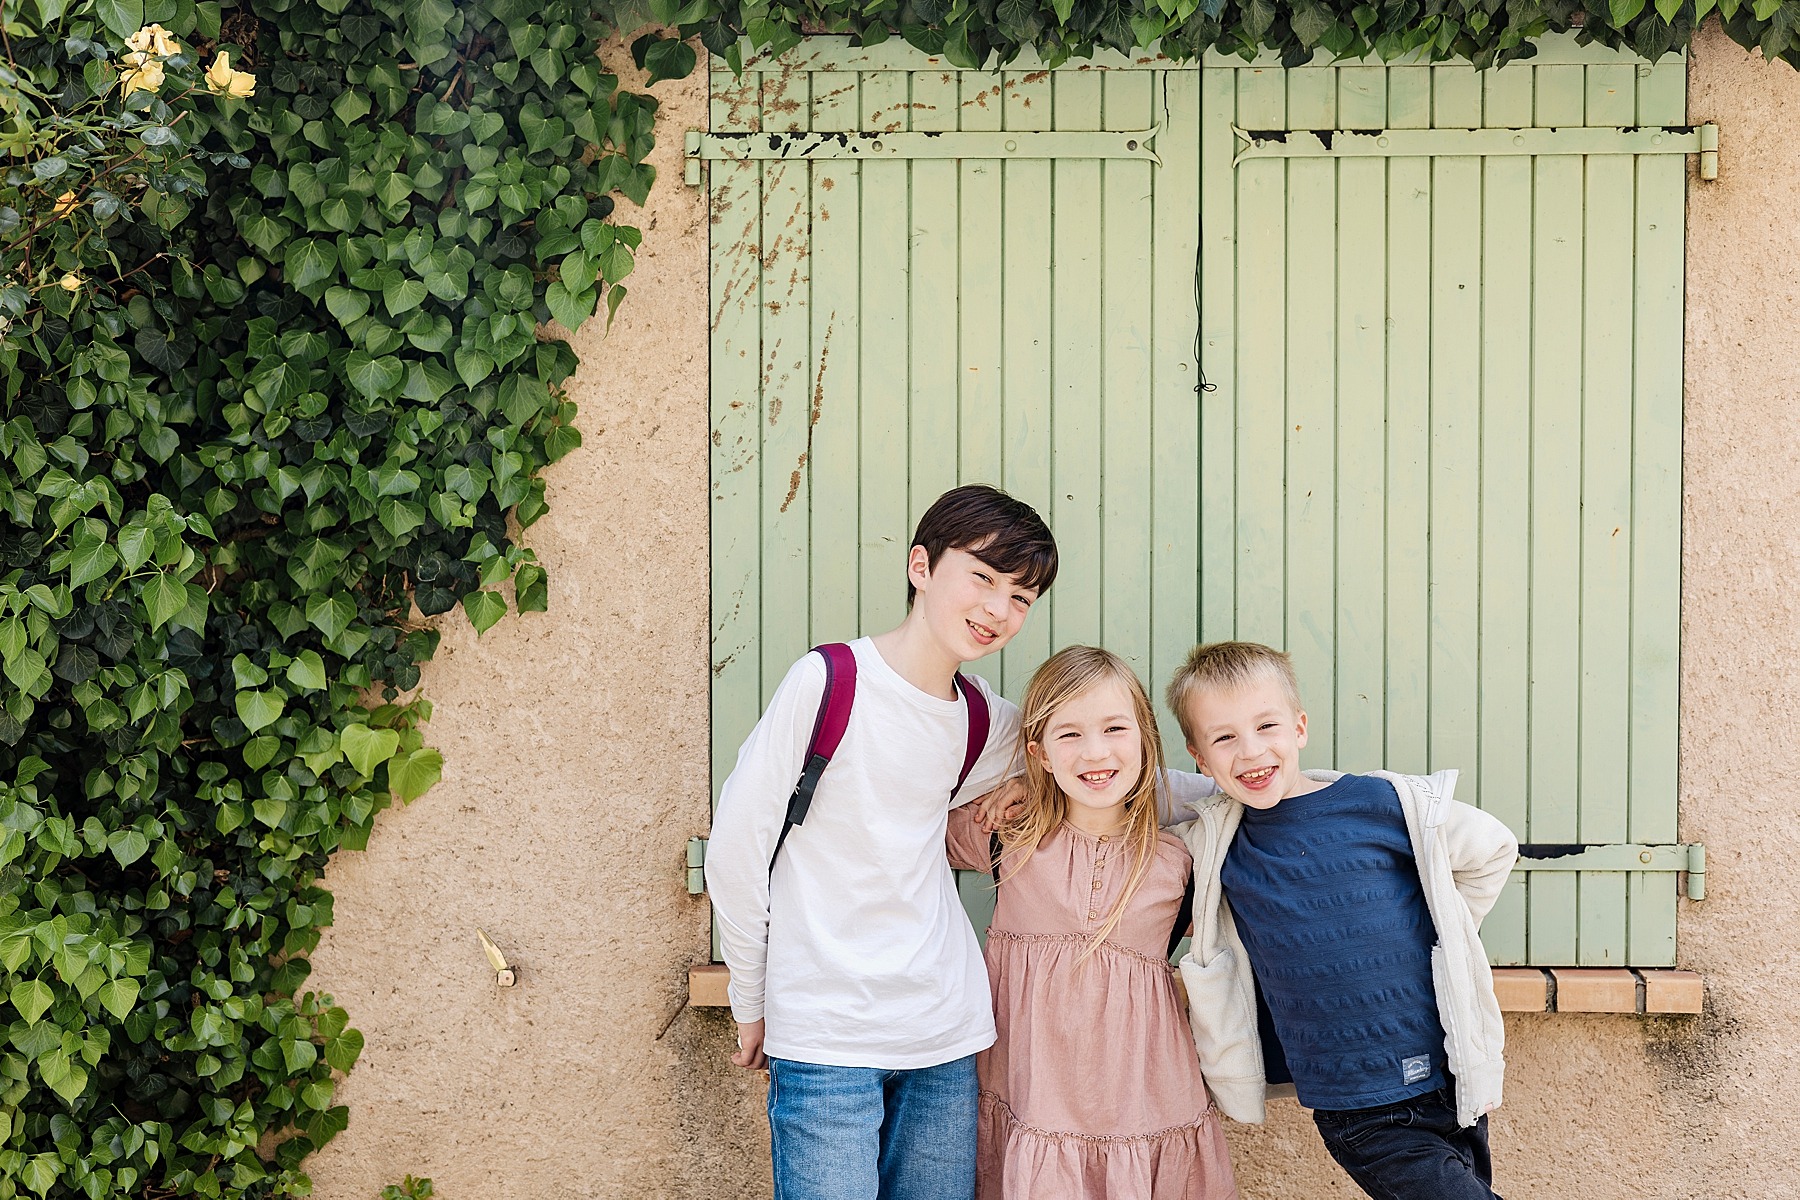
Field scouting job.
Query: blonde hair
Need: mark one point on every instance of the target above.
(1228, 667)
(1065, 675)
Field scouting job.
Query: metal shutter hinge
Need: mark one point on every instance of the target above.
(1702, 140)
(696, 863)
(1683, 858)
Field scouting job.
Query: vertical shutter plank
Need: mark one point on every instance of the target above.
(1076, 353)
(736, 303)
(833, 375)
(980, 272)
(1261, 364)
(1221, 254)
(1656, 512)
(1557, 247)
(1505, 597)
(1408, 429)
(885, 508)
(932, 230)
(1177, 547)
(1606, 529)
(1127, 283)
(786, 378)
(1026, 338)
(1361, 639)
(1309, 426)
(1455, 571)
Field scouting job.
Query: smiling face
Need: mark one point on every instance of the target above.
(1094, 748)
(971, 609)
(1248, 740)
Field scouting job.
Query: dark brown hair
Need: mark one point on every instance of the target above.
(1004, 533)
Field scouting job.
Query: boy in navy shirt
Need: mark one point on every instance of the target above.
(1355, 900)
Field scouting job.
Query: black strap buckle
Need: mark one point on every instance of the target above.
(801, 800)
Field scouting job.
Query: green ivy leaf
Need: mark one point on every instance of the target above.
(309, 262)
(65, 1077)
(136, 544)
(307, 672)
(127, 845)
(259, 709)
(411, 773)
(41, 1171)
(123, 17)
(615, 262)
(473, 365)
(26, 669)
(342, 1051)
(665, 58)
(90, 560)
(118, 997)
(330, 615)
(403, 295)
(569, 309)
(532, 588)
(484, 608)
(346, 304)
(32, 997)
(373, 377)
(164, 597)
(367, 748)
(400, 517)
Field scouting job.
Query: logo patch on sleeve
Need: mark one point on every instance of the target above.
(1415, 1068)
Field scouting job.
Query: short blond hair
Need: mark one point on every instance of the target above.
(1228, 667)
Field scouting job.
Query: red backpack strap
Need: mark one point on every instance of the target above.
(978, 728)
(828, 730)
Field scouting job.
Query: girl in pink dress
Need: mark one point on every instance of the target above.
(1093, 1090)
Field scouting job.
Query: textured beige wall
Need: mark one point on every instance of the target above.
(575, 744)
(575, 747)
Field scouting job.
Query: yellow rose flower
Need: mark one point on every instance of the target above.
(154, 39)
(70, 282)
(145, 75)
(220, 78)
(65, 204)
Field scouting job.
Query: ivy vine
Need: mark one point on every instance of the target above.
(972, 33)
(273, 280)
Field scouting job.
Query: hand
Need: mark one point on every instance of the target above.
(750, 1054)
(1004, 804)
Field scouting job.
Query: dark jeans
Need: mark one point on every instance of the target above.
(1413, 1150)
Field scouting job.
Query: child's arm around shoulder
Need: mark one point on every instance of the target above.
(1179, 795)
(1482, 852)
(969, 846)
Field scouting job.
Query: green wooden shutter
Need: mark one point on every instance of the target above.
(1441, 463)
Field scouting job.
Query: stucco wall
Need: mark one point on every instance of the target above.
(575, 747)
(575, 744)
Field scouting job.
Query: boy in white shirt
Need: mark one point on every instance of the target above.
(855, 977)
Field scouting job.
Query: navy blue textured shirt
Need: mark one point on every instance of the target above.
(1328, 901)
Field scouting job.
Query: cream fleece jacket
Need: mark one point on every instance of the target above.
(1464, 857)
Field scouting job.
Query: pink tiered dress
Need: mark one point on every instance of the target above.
(1093, 1090)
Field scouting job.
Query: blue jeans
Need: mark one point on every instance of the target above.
(1412, 1150)
(862, 1133)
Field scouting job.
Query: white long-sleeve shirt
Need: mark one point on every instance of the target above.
(857, 951)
